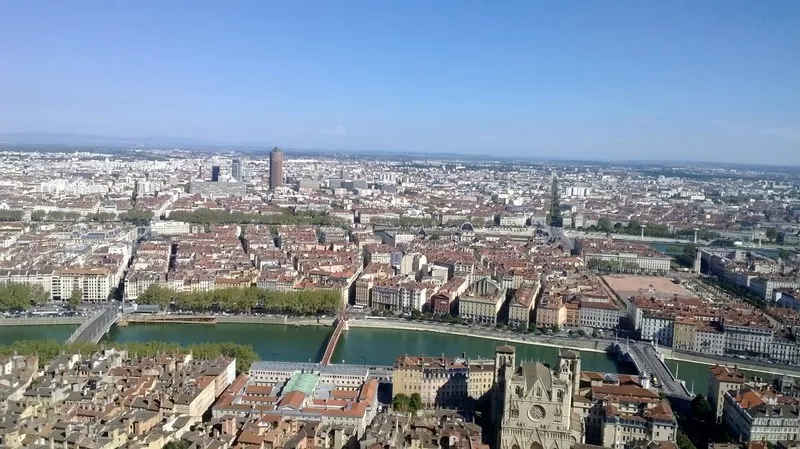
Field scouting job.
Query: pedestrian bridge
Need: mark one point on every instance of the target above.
(340, 325)
(93, 329)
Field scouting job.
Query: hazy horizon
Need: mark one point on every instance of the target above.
(696, 81)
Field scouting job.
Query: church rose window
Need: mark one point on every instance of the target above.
(536, 413)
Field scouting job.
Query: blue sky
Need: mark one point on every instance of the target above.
(705, 80)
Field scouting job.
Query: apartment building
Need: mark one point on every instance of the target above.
(331, 235)
(521, 305)
(722, 379)
(617, 410)
(765, 286)
(746, 336)
(709, 339)
(398, 295)
(655, 424)
(169, 228)
(650, 264)
(684, 334)
(442, 381)
(658, 327)
(551, 311)
(755, 415)
(445, 300)
(96, 284)
(482, 302)
(599, 313)
(372, 273)
(43, 278)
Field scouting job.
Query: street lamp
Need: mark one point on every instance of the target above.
(643, 226)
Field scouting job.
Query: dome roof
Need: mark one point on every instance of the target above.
(467, 227)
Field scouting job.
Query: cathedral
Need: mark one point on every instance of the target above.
(533, 403)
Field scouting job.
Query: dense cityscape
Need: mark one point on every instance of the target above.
(643, 264)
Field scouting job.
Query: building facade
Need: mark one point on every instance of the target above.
(275, 168)
(535, 409)
(720, 380)
(482, 302)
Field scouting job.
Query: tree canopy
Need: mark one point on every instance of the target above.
(137, 217)
(75, 298)
(46, 350)
(404, 404)
(11, 215)
(18, 297)
(213, 216)
(245, 300)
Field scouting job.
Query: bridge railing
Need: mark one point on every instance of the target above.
(104, 318)
(77, 332)
(332, 342)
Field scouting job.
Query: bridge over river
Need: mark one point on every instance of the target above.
(647, 360)
(93, 329)
(339, 326)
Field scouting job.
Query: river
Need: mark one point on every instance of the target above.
(10, 334)
(358, 345)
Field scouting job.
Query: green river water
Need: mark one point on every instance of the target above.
(358, 345)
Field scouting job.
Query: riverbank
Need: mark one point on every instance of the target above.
(510, 337)
(43, 321)
(746, 365)
(594, 345)
(588, 345)
(214, 319)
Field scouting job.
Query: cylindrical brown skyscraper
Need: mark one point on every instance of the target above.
(275, 168)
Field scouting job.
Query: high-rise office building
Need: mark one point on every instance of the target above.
(236, 170)
(275, 168)
(215, 173)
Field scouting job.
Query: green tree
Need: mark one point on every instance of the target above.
(75, 298)
(37, 295)
(48, 349)
(554, 216)
(11, 215)
(604, 224)
(180, 444)
(17, 296)
(683, 441)
(772, 234)
(415, 403)
(401, 403)
(286, 217)
(38, 215)
(701, 408)
(246, 299)
(137, 217)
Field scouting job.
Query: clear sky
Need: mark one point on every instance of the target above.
(706, 80)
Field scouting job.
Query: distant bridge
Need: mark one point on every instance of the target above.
(93, 329)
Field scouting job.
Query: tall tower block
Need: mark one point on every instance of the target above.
(275, 168)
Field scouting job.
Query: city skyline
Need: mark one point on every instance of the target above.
(609, 82)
